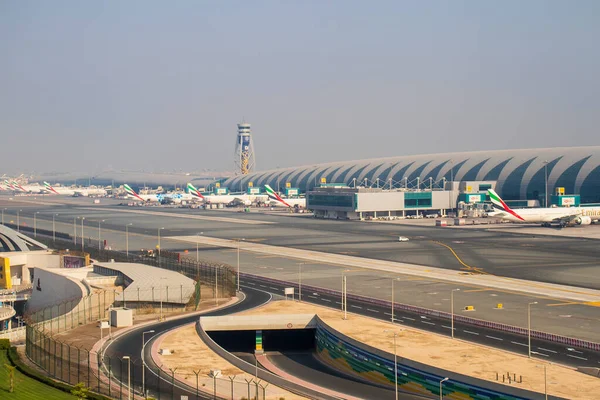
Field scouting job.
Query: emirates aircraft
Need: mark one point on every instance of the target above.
(176, 198)
(278, 201)
(67, 191)
(562, 216)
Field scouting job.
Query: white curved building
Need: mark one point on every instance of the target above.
(520, 174)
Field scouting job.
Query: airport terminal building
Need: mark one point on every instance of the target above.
(519, 174)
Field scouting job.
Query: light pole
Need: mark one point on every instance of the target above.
(54, 227)
(441, 391)
(394, 279)
(143, 363)
(545, 183)
(395, 362)
(529, 327)
(344, 296)
(452, 310)
(35, 223)
(82, 240)
(161, 298)
(159, 229)
(300, 281)
(197, 251)
(128, 376)
(100, 235)
(127, 239)
(238, 263)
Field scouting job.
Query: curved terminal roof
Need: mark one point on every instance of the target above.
(520, 174)
(11, 240)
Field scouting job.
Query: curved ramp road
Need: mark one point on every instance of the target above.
(130, 344)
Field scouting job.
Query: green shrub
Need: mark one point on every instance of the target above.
(14, 358)
(4, 344)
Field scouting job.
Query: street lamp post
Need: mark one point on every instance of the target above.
(441, 391)
(143, 363)
(300, 281)
(238, 264)
(127, 239)
(395, 362)
(35, 223)
(100, 235)
(161, 298)
(54, 227)
(545, 183)
(345, 297)
(128, 376)
(159, 229)
(452, 310)
(393, 280)
(529, 327)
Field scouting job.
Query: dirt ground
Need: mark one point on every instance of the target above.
(453, 355)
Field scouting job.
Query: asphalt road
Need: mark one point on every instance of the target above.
(130, 344)
(561, 260)
(542, 349)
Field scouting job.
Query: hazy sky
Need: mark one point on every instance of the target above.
(156, 85)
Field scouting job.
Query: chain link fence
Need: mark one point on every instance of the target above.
(50, 349)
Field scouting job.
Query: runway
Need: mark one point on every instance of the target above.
(547, 259)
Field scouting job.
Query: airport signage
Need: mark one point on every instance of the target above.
(291, 192)
(220, 191)
(568, 201)
(253, 190)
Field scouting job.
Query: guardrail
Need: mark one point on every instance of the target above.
(442, 314)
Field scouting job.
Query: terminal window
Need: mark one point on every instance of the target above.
(417, 203)
(330, 201)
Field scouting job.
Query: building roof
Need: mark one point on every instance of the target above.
(11, 240)
(519, 173)
(146, 283)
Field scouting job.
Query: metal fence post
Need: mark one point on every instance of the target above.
(78, 365)
(69, 363)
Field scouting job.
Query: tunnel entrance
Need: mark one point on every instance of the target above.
(282, 340)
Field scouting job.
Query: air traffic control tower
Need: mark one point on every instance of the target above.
(244, 150)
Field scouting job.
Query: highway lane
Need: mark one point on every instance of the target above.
(130, 344)
(542, 349)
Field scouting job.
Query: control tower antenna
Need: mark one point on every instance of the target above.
(244, 150)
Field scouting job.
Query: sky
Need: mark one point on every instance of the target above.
(160, 86)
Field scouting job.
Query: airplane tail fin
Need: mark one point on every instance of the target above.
(49, 188)
(194, 191)
(132, 192)
(501, 205)
(273, 195)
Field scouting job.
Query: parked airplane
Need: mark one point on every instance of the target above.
(245, 199)
(277, 201)
(27, 188)
(546, 216)
(67, 191)
(176, 198)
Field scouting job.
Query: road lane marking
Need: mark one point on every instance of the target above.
(250, 283)
(352, 305)
(574, 351)
(368, 309)
(580, 358)
(493, 337)
(520, 344)
(312, 297)
(262, 286)
(427, 322)
(472, 333)
(274, 288)
(447, 327)
(551, 351)
(329, 301)
(540, 354)
(412, 319)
